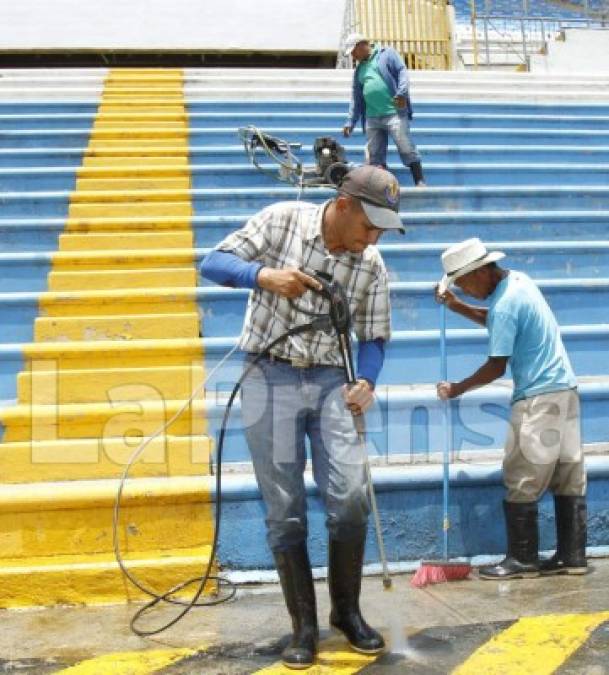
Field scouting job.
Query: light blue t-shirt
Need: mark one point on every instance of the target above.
(522, 327)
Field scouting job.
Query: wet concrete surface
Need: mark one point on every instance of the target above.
(429, 630)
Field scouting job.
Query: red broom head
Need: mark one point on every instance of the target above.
(439, 572)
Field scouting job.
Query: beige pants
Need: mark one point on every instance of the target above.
(543, 449)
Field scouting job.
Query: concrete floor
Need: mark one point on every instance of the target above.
(432, 630)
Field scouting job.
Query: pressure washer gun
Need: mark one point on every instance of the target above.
(330, 159)
(340, 320)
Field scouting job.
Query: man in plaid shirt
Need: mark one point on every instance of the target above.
(299, 390)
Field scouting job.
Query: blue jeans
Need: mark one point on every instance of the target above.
(378, 130)
(280, 406)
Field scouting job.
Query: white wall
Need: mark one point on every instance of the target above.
(583, 51)
(250, 25)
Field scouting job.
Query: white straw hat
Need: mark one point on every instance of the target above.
(465, 257)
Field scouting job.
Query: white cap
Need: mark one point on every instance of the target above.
(353, 39)
(465, 257)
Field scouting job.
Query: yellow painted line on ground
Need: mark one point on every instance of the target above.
(536, 645)
(333, 659)
(129, 663)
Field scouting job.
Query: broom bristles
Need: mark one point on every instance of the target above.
(439, 572)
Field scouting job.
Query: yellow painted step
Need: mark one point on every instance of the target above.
(144, 159)
(99, 458)
(133, 133)
(96, 328)
(123, 260)
(127, 236)
(75, 518)
(143, 94)
(142, 103)
(129, 419)
(179, 115)
(89, 280)
(147, 157)
(139, 108)
(128, 196)
(109, 384)
(118, 302)
(135, 170)
(144, 183)
(121, 121)
(114, 354)
(135, 147)
(146, 206)
(95, 579)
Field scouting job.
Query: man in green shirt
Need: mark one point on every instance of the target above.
(380, 98)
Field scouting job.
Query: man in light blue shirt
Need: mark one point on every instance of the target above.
(543, 449)
(380, 98)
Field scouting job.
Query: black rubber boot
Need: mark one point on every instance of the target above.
(522, 560)
(571, 536)
(294, 571)
(345, 581)
(416, 168)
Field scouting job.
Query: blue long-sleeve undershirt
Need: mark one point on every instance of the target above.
(228, 269)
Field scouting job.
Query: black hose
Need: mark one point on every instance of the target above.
(320, 322)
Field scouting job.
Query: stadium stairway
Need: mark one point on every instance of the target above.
(114, 184)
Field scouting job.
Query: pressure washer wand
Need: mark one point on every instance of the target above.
(360, 426)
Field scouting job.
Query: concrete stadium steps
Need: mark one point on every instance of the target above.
(86, 459)
(167, 232)
(216, 201)
(140, 268)
(88, 390)
(65, 345)
(223, 175)
(119, 122)
(416, 352)
(57, 538)
(130, 418)
(75, 518)
(161, 140)
(130, 367)
(413, 306)
(109, 200)
(405, 425)
(95, 579)
(114, 384)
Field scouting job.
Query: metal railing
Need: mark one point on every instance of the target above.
(419, 30)
(521, 35)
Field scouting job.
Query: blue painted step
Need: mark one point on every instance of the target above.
(421, 136)
(27, 271)
(307, 119)
(453, 226)
(466, 107)
(245, 200)
(40, 234)
(407, 421)
(71, 137)
(412, 356)
(234, 154)
(413, 307)
(244, 175)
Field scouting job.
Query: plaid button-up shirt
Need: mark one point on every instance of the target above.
(288, 234)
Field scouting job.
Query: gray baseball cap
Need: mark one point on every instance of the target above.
(379, 193)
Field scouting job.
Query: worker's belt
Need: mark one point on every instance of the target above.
(295, 362)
